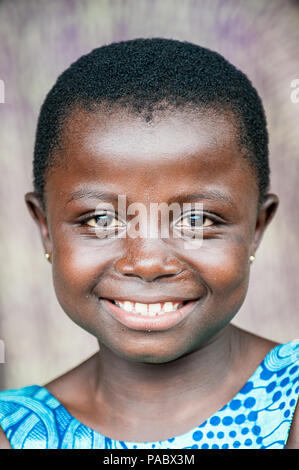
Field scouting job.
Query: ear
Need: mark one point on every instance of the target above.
(265, 215)
(37, 212)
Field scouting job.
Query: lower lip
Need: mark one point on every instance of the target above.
(139, 322)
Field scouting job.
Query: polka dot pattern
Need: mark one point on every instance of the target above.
(258, 417)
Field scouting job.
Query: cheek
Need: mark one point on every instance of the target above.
(77, 269)
(78, 265)
(223, 271)
(223, 267)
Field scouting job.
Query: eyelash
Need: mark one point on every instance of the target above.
(204, 216)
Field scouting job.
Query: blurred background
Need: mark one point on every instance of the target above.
(40, 39)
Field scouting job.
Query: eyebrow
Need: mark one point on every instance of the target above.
(214, 195)
(89, 193)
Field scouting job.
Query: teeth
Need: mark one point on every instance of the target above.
(128, 306)
(150, 310)
(142, 308)
(168, 306)
(153, 309)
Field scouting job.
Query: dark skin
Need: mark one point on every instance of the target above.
(148, 386)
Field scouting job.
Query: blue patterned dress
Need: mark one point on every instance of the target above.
(259, 416)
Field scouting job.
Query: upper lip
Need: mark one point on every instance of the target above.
(147, 300)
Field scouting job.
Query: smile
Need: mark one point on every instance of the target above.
(149, 310)
(157, 316)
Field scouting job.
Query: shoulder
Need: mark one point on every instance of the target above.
(21, 410)
(4, 442)
(276, 388)
(8, 406)
(11, 400)
(282, 364)
(293, 438)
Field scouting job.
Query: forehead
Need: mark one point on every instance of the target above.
(130, 135)
(174, 150)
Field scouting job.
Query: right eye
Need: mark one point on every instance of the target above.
(105, 220)
(196, 221)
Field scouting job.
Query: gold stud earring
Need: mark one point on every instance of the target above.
(48, 256)
(251, 258)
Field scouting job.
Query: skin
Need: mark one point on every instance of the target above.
(186, 373)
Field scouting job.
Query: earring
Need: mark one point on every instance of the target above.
(251, 258)
(48, 256)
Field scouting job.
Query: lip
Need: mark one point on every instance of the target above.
(149, 300)
(139, 322)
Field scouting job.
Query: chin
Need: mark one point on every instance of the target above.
(149, 354)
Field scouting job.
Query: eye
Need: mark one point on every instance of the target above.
(105, 220)
(195, 221)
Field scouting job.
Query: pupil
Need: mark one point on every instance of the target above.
(102, 220)
(195, 220)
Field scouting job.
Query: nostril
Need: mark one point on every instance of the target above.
(171, 274)
(153, 276)
(148, 268)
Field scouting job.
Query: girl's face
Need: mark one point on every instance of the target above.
(180, 157)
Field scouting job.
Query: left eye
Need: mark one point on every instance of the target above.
(195, 221)
(103, 221)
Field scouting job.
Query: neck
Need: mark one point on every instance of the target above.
(146, 387)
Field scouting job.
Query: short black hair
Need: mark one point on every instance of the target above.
(145, 75)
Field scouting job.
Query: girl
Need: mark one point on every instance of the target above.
(162, 122)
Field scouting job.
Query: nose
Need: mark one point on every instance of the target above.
(148, 261)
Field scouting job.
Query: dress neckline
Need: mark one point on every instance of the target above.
(187, 434)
